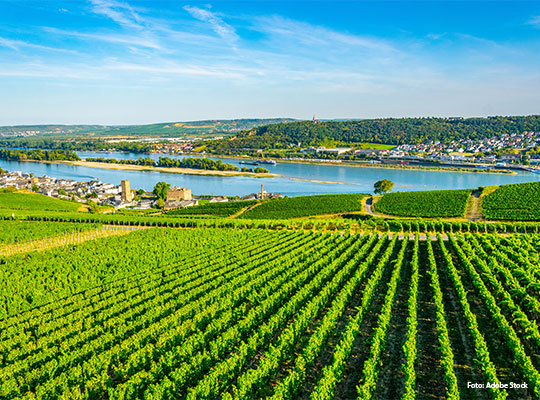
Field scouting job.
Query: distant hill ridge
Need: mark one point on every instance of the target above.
(279, 132)
(383, 130)
(165, 129)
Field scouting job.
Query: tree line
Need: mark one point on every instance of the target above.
(75, 145)
(167, 162)
(38, 155)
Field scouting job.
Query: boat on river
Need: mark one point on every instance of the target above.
(258, 162)
(267, 162)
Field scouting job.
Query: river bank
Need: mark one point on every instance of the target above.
(308, 178)
(320, 181)
(481, 169)
(142, 168)
(360, 164)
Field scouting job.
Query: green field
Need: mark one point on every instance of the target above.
(30, 201)
(304, 206)
(225, 209)
(518, 202)
(374, 146)
(439, 203)
(249, 314)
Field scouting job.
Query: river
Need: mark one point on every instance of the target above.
(356, 179)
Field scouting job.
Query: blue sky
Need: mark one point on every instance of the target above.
(134, 61)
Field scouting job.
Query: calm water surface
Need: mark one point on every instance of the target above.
(358, 180)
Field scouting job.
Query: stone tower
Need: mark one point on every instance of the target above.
(127, 197)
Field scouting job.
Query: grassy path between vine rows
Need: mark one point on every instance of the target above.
(474, 210)
(245, 209)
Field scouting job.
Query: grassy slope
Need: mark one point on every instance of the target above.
(303, 206)
(440, 203)
(32, 201)
(519, 202)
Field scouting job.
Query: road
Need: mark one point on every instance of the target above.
(369, 209)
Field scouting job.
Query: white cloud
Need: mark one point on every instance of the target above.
(309, 34)
(219, 26)
(17, 44)
(54, 72)
(121, 13)
(435, 36)
(113, 70)
(177, 69)
(138, 40)
(535, 21)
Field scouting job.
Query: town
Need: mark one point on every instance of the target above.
(513, 148)
(507, 151)
(118, 196)
(500, 150)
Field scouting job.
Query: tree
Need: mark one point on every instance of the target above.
(160, 203)
(161, 189)
(92, 206)
(383, 186)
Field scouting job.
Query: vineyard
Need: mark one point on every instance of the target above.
(304, 206)
(23, 231)
(69, 238)
(437, 203)
(519, 202)
(346, 222)
(225, 209)
(280, 314)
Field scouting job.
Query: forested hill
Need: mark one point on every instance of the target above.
(387, 130)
